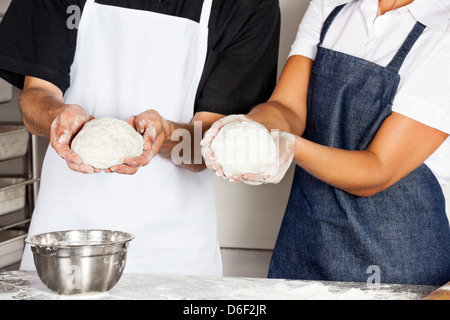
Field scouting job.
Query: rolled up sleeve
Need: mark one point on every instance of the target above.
(241, 68)
(308, 35)
(36, 41)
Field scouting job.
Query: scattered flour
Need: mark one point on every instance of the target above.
(25, 285)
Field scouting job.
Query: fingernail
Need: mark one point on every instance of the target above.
(141, 127)
(152, 132)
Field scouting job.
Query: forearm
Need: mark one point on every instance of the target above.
(276, 116)
(39, 107)
(182, 141)
(286, 109)
(400, 146)
(181, 146)
(360, 173)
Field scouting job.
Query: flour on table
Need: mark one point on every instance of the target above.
(106, 142)
(244, 147)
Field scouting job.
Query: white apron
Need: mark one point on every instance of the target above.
(128, 61)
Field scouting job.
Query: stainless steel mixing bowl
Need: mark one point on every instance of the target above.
(80, 262)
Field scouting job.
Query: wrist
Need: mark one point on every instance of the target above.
(168, 127)
(299, 153)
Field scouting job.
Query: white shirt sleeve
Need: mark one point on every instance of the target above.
(308, 35)
(424, 92)
(425, 96)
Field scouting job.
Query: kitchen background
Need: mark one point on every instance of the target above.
(248, 217)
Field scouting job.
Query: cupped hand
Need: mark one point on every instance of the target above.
(150, 124)
(210, 135)
(284, 142)
(63, 129)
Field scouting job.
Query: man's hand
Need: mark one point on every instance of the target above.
(63, 130)
(151, 125)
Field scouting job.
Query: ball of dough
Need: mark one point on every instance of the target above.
(106, 142)
(244, 147)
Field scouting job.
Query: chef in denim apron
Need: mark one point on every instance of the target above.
(402, 233)
(329, 234)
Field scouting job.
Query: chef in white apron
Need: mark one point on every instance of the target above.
(175, 228)
(129, 59)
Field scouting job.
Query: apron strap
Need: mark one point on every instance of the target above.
(206, 13)
(329, 21)
(401, 55)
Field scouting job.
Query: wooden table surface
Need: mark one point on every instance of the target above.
(440, 294)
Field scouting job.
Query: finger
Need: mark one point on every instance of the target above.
(236, 177)
(273, 169)
(53, 133)
(206, 151)
(240, 178)
(81, 168)
(254, 177)
(209, 136)
(68, 154)
(132, 122)
(149, 138)
(124, 169)
(252, 183)
(142, 123)
(219, 173)
(70, 122)
(64, 136)
(157, 144)
(140, 161)
(208, 154)
(213, 166)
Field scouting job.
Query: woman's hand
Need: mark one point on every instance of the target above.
(150, 124)
(63, 130)
(284, 143)
(210, 135)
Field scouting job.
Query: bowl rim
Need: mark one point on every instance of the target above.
(129, 236)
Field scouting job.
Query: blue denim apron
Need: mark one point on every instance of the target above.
(328, 234)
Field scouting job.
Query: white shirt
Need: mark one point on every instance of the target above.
(424, 91)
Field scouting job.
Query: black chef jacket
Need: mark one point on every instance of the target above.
(241, 65)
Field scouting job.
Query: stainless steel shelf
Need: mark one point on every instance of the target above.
(18, 191)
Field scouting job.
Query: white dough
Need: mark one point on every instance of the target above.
(103, 143)
(244, 147)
